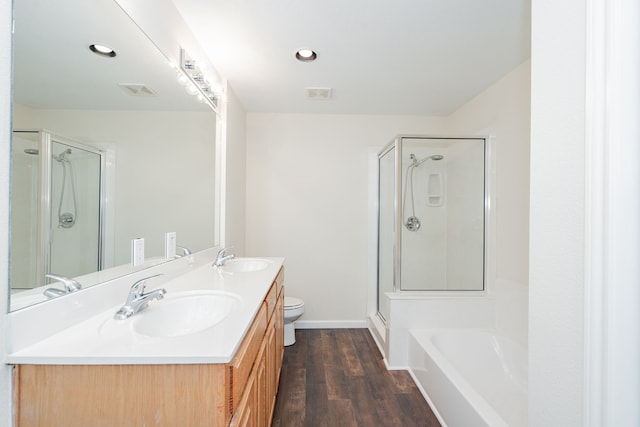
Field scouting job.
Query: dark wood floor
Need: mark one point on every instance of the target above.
(336, 378)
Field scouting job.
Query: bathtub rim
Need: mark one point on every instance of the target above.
(436, 294)
(479, 404)
(426, 396)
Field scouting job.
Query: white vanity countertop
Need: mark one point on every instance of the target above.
(101, 339)
(27, 297)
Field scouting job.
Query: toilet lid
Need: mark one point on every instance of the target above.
(291, 302)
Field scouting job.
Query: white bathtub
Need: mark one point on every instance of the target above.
(471, 377)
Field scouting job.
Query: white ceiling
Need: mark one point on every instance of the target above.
(423, 57)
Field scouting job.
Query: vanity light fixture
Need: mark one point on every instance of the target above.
(306, 55)
(198, 82)
(102, 50)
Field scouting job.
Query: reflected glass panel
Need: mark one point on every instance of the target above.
(75, 214)
(25, 176)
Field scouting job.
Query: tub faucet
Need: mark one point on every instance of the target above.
(137, 300)
(222, 257)
(70, 285)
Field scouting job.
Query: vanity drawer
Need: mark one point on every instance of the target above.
(274, 292)
(241, 365)
(279, 281)
(271, 300)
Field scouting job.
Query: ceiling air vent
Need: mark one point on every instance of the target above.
(138, 90)
(317, 93)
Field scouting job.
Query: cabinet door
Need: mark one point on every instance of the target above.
(242, 364)
(272, 381)
(261, 388)
(279, 336)
(247, 413)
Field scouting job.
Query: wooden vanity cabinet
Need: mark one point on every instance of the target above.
(240, 393)
(255, 406)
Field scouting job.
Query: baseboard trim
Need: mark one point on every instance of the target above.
(331, 324)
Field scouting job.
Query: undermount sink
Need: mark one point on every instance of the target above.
(185, 313)
(244, 265)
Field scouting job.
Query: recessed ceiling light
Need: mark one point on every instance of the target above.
(306, 55)
(102, 50)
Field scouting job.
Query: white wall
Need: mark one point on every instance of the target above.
(556, 296)
(585, 240)
(307, 200)
(5, 144)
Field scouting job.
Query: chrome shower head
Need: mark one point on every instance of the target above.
(32, 151)
(435, 157)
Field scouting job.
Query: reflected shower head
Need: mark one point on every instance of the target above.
(435, 157)
(62, 157)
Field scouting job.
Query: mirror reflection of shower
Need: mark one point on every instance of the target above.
(58, 202)
(67, 219)
(412, 223)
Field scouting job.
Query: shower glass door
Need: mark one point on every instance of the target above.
(75, 210)
(386, 232)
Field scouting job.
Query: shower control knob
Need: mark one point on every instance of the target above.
(66, 220)
(412, 224)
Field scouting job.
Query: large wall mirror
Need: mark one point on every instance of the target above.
(105, 149)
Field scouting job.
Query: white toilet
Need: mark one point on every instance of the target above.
(293, 309)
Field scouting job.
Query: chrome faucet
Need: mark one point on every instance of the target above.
(137, 300)
(70, 285)
(222, 257)
(185, 251)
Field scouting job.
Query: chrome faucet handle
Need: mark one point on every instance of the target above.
(137, 289)
(137, 300)
(70, 285)
(222, 257)
(223, 252)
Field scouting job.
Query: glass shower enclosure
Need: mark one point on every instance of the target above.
(56, 210)
(432, 204)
